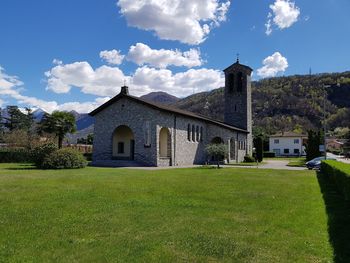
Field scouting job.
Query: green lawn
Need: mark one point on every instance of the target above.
(297, 162)
(177, 215)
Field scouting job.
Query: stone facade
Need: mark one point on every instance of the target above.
(182, 151)
(188, 134)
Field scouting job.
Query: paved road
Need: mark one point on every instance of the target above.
(338, 157)
(275, 164)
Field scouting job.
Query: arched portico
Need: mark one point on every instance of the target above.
(123, 143)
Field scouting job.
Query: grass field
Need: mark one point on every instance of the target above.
(177, 215)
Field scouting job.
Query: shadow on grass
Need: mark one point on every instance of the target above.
(22, 167)
(338, 211)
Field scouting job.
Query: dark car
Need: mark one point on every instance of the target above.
(316, 163)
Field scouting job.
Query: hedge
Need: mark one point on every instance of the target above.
(18, 155)
(339, 173)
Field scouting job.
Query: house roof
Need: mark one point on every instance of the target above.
(288, 134)
(166, 108)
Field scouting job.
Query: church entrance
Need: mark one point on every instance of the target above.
(123, 143)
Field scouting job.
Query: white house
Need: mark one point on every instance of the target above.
(287, 144)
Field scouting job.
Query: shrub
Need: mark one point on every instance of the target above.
(64, 159)
(15, 156)
(269, 154)
(259, 146)
(39, 153)
(249, 159)
(218, 151)
(339, 173)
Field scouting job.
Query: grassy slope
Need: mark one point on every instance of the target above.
(191, 215)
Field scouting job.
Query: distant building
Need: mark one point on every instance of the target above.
(288, 144)
(335, 144)
(130, 130)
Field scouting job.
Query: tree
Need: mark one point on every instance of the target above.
(218, 150)
(259, 148)
(313, 145)
(59, 123)
(88, 140)
(16, 120)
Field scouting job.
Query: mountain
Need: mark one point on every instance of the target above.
(293, 103)
(84, 121)
(38, 114)
(160, 97)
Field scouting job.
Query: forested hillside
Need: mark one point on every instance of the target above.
(293, 103)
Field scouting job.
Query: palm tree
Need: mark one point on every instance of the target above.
(59, 123)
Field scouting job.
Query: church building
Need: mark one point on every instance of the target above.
(133, 131)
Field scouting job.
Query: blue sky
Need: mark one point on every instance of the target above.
(63, 55)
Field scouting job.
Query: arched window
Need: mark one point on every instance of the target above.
(189, 132)
(193, 133)
(201, 134)
(197, 133)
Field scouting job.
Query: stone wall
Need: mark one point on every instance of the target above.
(135, 115)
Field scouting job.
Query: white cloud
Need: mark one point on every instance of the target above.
(57, 62)
(103, 81)
(273, 65)
(187, 21)
(10, 86)
(142, 54)
(106, 81)
(268, 25)
(112, 57)
(181, 84)
(284, 14)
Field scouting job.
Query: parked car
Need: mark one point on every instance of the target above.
(316, 163)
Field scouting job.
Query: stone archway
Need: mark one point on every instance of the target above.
(164, 143)
(123, 143)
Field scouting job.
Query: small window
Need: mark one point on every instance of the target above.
(193, 133)
(201, 135)
(276, 141)
(120, 147)
(286, 150)
(189, 132)
(296, 141)
(235, 107)
(197, 133)
(296, 151)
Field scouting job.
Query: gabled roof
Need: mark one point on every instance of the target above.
(237, 64)
(166, 108)
(288, 134)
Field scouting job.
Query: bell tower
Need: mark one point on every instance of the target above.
(238, 99)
